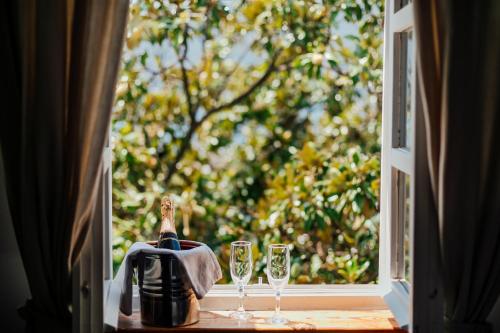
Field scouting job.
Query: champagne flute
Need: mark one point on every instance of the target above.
(278, 273)
(241, 270)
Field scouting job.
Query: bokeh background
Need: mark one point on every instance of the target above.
(262, 120)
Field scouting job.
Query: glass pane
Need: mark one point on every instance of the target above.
(401, 225)
(403, 89)
(406, 239)
(408, 85)
(400, 4)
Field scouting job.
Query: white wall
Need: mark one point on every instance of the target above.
(14, 288)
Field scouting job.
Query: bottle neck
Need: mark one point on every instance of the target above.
(167, 225)
(167, 216)
(168, 235)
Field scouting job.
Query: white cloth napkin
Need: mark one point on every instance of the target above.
(199, 262)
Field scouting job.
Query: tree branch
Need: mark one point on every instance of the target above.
(248, 92)
(230, 74)
(187, 92)
(185, 78)
(186, 141)
(185, 145)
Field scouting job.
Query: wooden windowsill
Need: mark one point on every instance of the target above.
(368, 321)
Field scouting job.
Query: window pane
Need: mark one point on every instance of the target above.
(406, 240)
(408, 85)
(404, 67)
(251, 141)
(401, 225)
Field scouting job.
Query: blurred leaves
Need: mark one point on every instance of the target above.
(262, 119)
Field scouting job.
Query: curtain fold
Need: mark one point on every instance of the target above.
(461, 98)
(429, 33)
(63, 59)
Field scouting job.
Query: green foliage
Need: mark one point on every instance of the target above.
(262, 118)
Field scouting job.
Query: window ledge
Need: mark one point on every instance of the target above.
(319, 297)
(368, 321)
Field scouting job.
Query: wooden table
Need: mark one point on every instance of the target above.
(368, 321)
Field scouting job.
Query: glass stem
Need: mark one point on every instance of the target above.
(278, 304)
(241, 295)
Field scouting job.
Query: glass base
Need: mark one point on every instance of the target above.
(278, 320)
(241, 315)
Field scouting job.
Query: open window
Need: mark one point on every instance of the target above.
(393, 280)
(398, 154)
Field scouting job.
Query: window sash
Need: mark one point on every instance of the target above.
(397, 157)
(394, 157)
(93, 273)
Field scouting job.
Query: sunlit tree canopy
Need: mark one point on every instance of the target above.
(262, 119)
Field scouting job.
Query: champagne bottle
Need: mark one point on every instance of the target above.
(168, 236)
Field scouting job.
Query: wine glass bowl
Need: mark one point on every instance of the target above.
(278, 274)
(241, 262)
(241, 271)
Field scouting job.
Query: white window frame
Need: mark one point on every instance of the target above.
(416, 305)
(394, 159)
(93, 273)
(93, 277)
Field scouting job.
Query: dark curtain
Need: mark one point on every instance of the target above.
(61, 60)
(458, 63)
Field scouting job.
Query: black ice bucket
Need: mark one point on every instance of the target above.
(166, 296)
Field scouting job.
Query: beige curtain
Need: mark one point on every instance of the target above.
(62, 62)
(458, 63)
